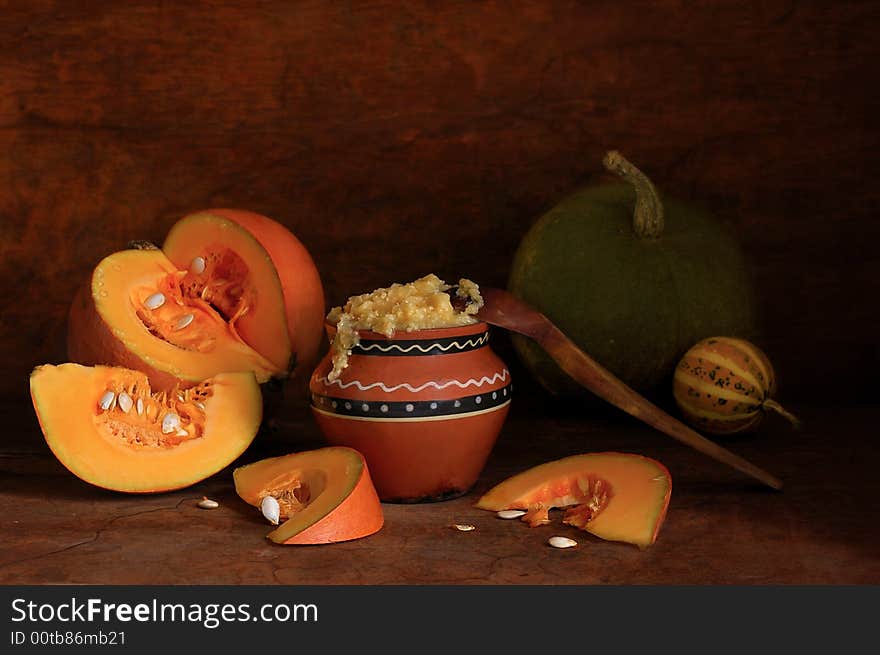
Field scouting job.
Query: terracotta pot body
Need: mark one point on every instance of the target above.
(424, 408)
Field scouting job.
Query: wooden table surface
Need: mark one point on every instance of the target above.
(721, 528)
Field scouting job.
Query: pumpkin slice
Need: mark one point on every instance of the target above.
(326, 495)
(110, 429)
(615, 496)
(140, 311)
(273, 257)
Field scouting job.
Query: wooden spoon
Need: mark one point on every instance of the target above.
(503, 309)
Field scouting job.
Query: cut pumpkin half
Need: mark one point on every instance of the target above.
(615, 496)
(111, 429)
(140, 311)
(324, 495)
(274, 257)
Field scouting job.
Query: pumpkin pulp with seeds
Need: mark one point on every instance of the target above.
(111, 429)
(142, 312)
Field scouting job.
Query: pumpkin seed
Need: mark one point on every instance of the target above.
(155, 301)
(510, 513)
(140, 406)
(464, 527)
(183, 321)
(207, 503)
(108, 400)
(271, 509)
(125, 402)
(197, 265)
(170, 423)
(561, 542)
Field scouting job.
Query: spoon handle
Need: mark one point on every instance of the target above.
(604, 384)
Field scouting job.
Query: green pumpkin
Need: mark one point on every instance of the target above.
(632, 280)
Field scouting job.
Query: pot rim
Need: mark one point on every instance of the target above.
(413, 335)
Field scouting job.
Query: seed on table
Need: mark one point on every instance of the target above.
(464, 527)
(207, 503)
(155, 301)
(510, 513)
(561, 542)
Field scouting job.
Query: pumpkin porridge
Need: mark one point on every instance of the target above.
(419, 305)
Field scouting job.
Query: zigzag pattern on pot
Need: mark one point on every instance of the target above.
(502, 376)
(470, 343)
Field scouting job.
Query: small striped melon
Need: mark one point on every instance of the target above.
(725, 385)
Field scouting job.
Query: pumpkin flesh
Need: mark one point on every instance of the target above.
(125, 446)
(614, 496)
(326, 495)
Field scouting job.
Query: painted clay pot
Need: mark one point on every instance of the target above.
(424, 408)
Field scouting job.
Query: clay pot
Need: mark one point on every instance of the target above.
(424, 408)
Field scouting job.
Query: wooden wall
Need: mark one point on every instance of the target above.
(398, 138)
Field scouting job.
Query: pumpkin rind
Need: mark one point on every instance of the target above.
(65, 397)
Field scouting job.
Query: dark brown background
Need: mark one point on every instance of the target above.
(399, 138)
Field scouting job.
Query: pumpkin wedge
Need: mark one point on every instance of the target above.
(326, 495)
(614, 496)
(140, 311)
(111, 429)
(216, 235)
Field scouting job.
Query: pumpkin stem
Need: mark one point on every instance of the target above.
(779, 409)
(648, 214)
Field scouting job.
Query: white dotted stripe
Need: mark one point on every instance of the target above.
(424, 408)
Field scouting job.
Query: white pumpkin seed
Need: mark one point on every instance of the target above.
(125, 402)
(510, 513)
(464, 527)
(561, 542)
(201, 406)
(140, 406)
(108, 400)
(155, 301)
(183, 321)
(170, 423)
(207, 503)
(197, 265)
(271, 509)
